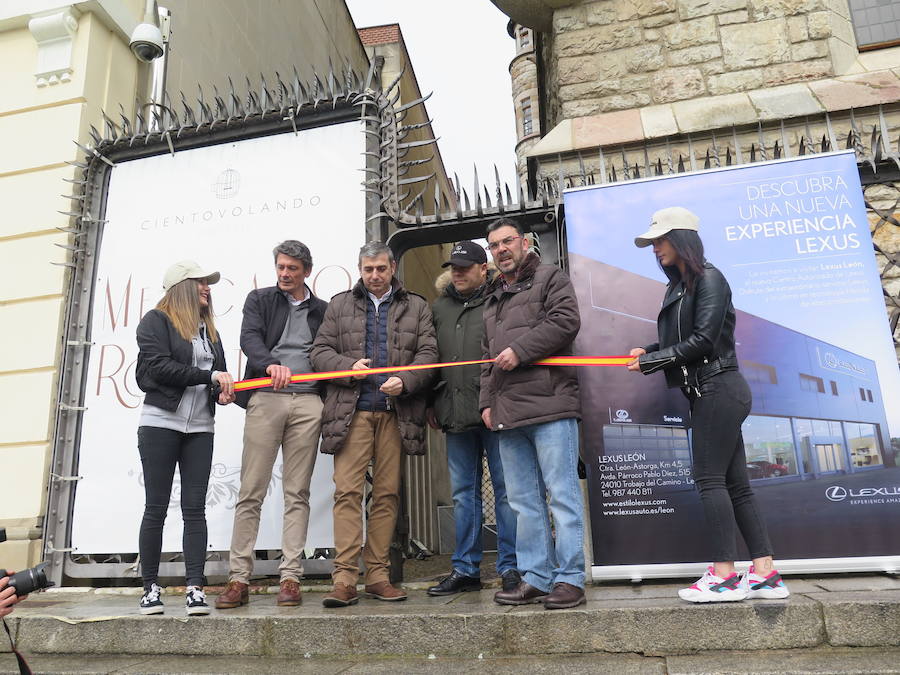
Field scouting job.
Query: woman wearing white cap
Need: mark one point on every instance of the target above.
(696, 353)
(181, 368)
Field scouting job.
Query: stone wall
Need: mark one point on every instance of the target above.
(608, 55)
(884, 206)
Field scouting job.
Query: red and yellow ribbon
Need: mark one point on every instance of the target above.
(260, 382)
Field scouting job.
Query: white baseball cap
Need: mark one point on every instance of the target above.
(187, 269)
(666, 220)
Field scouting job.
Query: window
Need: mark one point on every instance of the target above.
(666, 444)
(527, 120)
(834, 390)
(862, 394)
(869, 395)
(865, 445)
(812, 383)
(523, 37)
(769, 446)
(758, 373)
(875, 22)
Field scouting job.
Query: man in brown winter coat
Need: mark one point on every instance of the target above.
(376, 324)
(532, 314)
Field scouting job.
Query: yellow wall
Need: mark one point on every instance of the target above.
(38, 126)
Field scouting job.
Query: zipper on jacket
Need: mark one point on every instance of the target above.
(387, 399)
(684, 370)
(678, 323)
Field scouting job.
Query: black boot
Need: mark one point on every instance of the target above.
(455, 583)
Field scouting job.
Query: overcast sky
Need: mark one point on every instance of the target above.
(461, 51)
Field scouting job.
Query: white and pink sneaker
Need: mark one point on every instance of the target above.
(710, 588)
(769, 587)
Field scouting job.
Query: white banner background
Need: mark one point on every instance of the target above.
(225, 206)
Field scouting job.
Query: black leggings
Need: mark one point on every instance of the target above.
(161, 450)
(720, 467)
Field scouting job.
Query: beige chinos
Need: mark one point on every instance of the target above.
(372, 435)
(290, 421)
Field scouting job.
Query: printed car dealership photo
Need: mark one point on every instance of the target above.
(822, 396)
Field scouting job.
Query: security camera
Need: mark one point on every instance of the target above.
(147, 41)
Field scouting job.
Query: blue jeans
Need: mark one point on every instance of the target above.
(464, 451)
(540, 459)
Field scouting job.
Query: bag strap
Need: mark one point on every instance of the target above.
(23, 665)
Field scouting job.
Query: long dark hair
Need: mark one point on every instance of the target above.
(689, 247)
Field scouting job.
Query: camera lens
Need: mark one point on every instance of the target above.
(30, 580)
(147, 51)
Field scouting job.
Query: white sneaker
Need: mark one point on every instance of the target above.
(151, 603)
(710, 588)
(770, 587)
(195, 601)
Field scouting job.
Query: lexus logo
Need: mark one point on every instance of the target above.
(836, 493)
(621, 414)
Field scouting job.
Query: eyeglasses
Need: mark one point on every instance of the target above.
(506, 242)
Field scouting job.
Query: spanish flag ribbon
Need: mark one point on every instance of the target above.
(260, 382)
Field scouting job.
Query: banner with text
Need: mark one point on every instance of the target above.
(225, 206)
(793, 240)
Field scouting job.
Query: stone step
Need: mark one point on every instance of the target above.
(646, 619)
(837, 661)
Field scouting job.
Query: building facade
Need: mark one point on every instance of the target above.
(611, 89)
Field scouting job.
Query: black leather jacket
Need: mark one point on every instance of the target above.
(164, 364)
(696, 331)
(265, 314)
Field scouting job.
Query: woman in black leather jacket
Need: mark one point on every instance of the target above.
(696, 353)
(181, 368)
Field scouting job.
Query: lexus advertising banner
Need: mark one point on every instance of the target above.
(225, 206)
(813, 341)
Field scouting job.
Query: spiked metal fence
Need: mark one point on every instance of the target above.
(400, 198)
(161, 127)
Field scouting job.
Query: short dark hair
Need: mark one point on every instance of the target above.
(294, 249)
(373, 249)
(505, 222)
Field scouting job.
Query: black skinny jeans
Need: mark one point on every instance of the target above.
(720, 467)
(161, 449)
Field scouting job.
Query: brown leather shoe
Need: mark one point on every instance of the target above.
(341, 595)
(289, 594)
(523, 594)
(384, 591)
(234, 595)
(564, 596)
